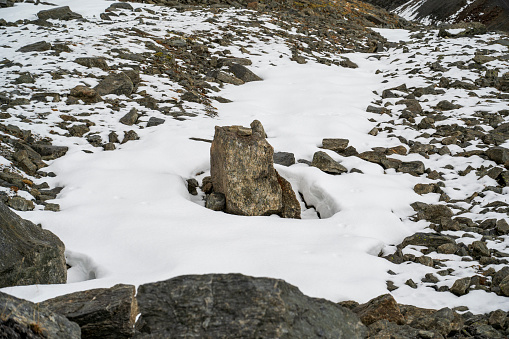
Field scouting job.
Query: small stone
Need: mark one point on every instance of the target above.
(498, 319)
(153, 121)
(130, 135)
(325, 163)
(284, 158)
(336, 145)
(215, 201)
(447, 248)
(411, 283)
(412, 167)
(424, 188)
(93, 62)
(257, 127)
(425, 260)
(192, 185)
(115, 83)
(109, 146)
(430, 278)
(502, 227)
(243, 73)
(78, 130)
(460, 286)
(130, 118)
(504, 286)
(52, 207)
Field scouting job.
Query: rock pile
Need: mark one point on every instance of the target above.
(241, 168)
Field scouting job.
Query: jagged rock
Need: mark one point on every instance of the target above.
(237, 306)
(23, 319)
(39, 46)
(130, 118)
(242, 169)
(59, 13)
(443, 321)
(498, 319)
(381, 307)
(284, 158)
(30, 255)
(460, 286)
(427, 239)
(243, 73)
(92, 62)
(100, 313)
(25, 78)
(324, 162)
(116, 83)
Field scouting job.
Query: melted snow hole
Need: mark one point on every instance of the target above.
(82, 267)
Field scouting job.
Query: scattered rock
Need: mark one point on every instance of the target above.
(115, 83)
(40, 46)
(284, 158)
(325, 163)
(93, 62)
(460, 286)
(243, 73)
(215, 201)
(130, 118)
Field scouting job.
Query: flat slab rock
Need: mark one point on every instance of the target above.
(238, 306)
(100, 313)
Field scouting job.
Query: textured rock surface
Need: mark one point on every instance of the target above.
(237, 306)
(100, 313)
(59, 13)
(242, 169)
(29, 255)
(382, 307)
(22, 319)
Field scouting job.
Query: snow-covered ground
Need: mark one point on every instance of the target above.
(126, 215)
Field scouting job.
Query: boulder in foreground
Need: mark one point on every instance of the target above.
(238, 306)
(23, 319)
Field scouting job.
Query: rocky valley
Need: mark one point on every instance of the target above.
(238, 169)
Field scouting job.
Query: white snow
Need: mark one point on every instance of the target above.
(126, 215)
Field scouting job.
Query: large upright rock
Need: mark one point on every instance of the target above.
(59, 13)
(241, 167)
(22, 319)
(238, 306)
(101, 312)
(28, 254)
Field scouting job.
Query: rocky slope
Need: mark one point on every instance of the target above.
(442, 104)
(492, 13)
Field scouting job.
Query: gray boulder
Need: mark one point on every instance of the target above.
(59, 13)
(39, 46)
(325, 163)
(241, 167)
(23, 319)
(284, 158)
(238, 306)
(243, 73)
(30, 255)
(116, 83)
(100, 313)
(130, 118)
